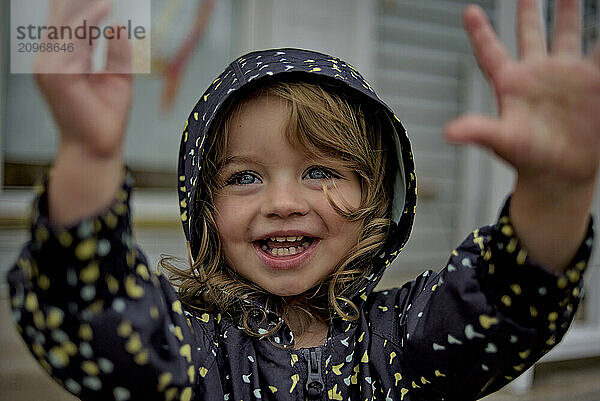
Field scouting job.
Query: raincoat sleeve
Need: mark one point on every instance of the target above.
(488, 316)
(94, 315)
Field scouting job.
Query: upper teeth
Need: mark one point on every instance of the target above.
(288, 239)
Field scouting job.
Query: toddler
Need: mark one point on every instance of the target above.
(297, 189)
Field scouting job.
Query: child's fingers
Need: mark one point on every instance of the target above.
(119, 57)
(475, 129)
(530, 37)
(489, 51)
(567, 28)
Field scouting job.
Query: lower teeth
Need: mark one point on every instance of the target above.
(286, 251)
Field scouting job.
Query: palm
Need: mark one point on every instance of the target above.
(91, 110)
(549, 104)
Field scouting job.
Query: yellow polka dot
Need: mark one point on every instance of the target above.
(124, 329)
(273, 389)
(90, 368)
(58, 357)
(65, 239)
(533, 311)
(562, 282)
(134, 344)
(111, 220)
(486, 322)
(507, 230)
(38, 320)
(360, 338)
(43, 282)
(521, 257)
(295, 379)
(38, 350)
(120, 209)
(191, 373)
(506, 300)
(70, 348)
(334, 394)
(85, 250)
(516, 288)
(294, 359)
(112, 284)
(170, 394)
(424, 380)
(177, 307)
(415, 385)
(90, 273)
(203, 371)
(186, 351)
(132, 289)
(163, 381)
(85, 332)
(186, 394)
(573, 275)
(525, 354)
(403, 392)
(512, 245)
(205, 317)
(153, 312)
(54, 318)
(178, 333)
(365, 358)
(141, 358)
(336, 369)
(552, 316)
(392, 356)
(398, 377)
(142, 270)
(41, 234)
(439, 374)
(31, 302)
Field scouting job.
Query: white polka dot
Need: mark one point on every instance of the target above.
(105, 365)
(86, 350)
(118, 305)
(121, 394)
(88, 292)
(103, 247)
(72, 386)
(59, 336)
(92, 382)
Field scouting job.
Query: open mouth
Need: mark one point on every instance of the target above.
(285, 246)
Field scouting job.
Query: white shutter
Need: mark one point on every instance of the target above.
(421, 54)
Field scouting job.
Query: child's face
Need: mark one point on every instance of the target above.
(273, 190)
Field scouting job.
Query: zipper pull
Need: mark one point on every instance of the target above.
(314, 383)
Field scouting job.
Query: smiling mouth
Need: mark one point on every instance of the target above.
(285, 246)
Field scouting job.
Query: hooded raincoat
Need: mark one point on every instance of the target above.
(106, 327)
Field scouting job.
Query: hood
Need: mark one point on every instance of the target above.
(256, 68)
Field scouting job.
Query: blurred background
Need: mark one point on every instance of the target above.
(414, 53)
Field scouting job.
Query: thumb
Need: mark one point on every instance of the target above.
(477, 130)
(119, 58)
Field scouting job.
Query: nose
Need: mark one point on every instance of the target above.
(285, 200)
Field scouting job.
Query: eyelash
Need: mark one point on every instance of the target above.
(327, 172)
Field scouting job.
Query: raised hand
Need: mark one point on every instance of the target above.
(548, 126)
(91, 111)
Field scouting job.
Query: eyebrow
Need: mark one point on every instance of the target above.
(240, 159)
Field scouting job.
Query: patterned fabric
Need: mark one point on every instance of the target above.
(106, 327)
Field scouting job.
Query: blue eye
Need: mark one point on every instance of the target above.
(243, 178)
(320, 173)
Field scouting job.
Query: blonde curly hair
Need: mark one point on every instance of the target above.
(325, 121)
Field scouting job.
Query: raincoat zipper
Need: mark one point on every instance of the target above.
(314, 381)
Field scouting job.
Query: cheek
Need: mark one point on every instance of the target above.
(229, 218)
